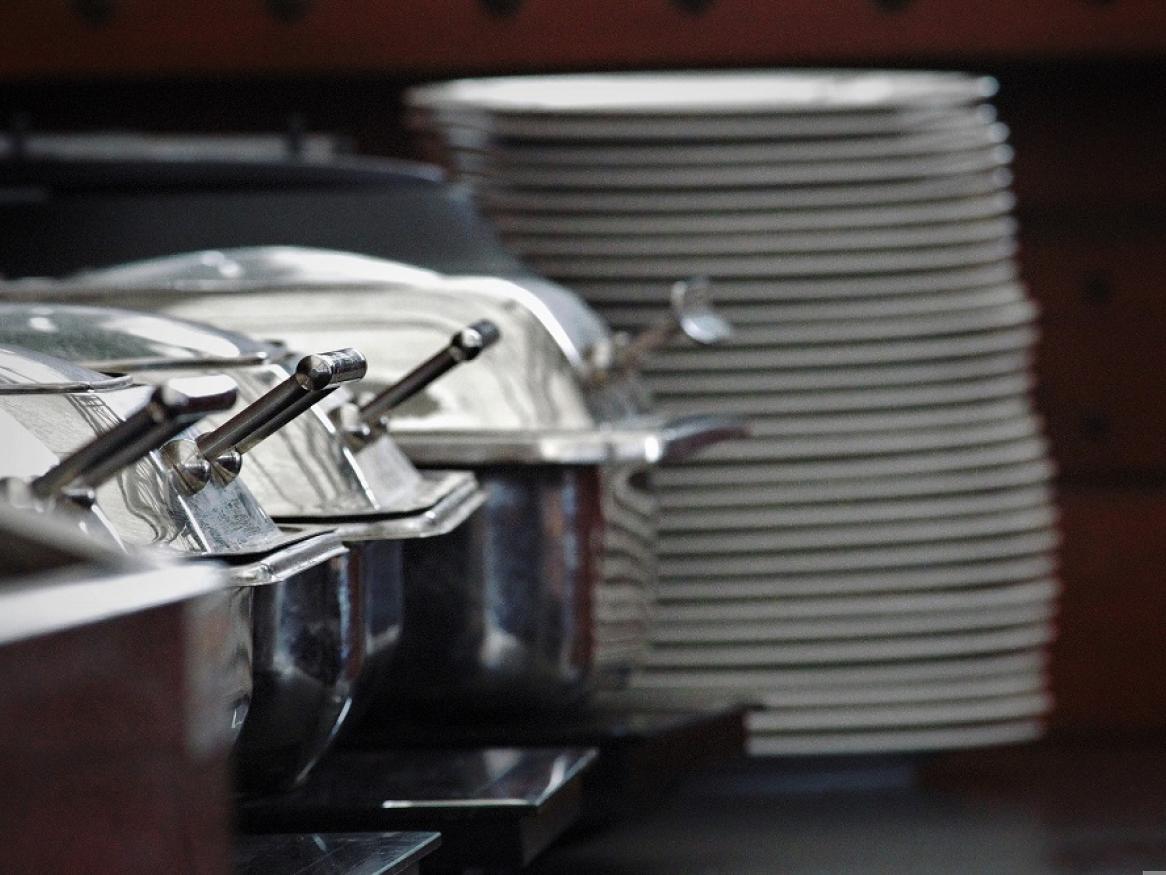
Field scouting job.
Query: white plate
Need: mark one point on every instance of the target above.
(866, 263)
(862, 308)
(768, 291)
(781, 312)
(1020, 337)
(468, 130)
(975, 134)
(1019, 311)
(674, 547)
(989, 572)
(872, 559)
(902, 741)
(756, 389)
(844, 679)
(685, 93)
(767, 446)
(839, 424)
(477, 129)
(805, 496)
(643, 693)
(705, 201)
(758, 392)
(987, 710)
(872, 650)
(710, 632)
(772, 452)
(682, 516)
(476, 167)
(786, 610)
(645, 243)
(934, 394)
(701, 473)
(763, 221)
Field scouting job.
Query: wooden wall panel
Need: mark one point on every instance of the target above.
(1102, 358)
(1110, 659)
(51, 38)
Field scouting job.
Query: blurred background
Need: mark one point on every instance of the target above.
(1081, 88)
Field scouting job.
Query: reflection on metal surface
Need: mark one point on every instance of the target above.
(290, 589)
(308, 640)
(378, 853)
(306, 473)
(526, 414)
(57, 579)
(303, 471)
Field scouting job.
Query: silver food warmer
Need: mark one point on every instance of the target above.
(111, 675)
(332, 466)
(547, 593)
(113, 454)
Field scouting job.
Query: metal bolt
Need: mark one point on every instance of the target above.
(95, 12)
(693, 7)
(288, 10)
(502, 8)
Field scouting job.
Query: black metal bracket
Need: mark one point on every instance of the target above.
(693, 7)
(288, 10)
(95, 12)
(502, 8)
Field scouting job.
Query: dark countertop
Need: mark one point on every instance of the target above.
(1055, 807)
(390, 853)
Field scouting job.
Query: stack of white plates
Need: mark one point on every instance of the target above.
(875, 567)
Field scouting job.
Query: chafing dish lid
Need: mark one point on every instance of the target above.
(256, 267)
(572, 324)
(24, 372)
(108, 339)
(40, 423)
(525, 401)
(380, 482)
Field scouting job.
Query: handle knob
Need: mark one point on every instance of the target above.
(315, 377)
(691, 314)
(172, 407)
(464, 346)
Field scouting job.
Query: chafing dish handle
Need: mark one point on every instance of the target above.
(686, 436)
(691, 312)
(315, 376)
(172, 407)
(464, 346)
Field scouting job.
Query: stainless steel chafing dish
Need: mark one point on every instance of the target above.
(549, 588)
(101, 447)
(135, 653)
(309, 472)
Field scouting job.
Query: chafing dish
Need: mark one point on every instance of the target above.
(111, 675)
(314, 470)
(104, 448)
(548, 590)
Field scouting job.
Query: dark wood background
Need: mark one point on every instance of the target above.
(1083, 88)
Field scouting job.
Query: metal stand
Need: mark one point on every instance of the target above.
(642, 752)
(387, 853)
(496, 808)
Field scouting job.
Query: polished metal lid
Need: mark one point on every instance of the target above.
(141, 503)
(573, 325)
(25, 372)
(531, 397)
(112, 340)
(305, 472)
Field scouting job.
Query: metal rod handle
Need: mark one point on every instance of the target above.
(691, 313)
(464, 346)
(315, 376)
(171, 408)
